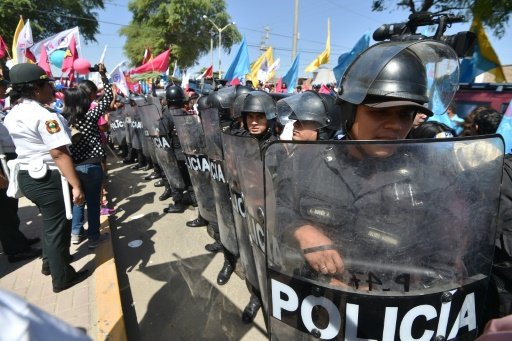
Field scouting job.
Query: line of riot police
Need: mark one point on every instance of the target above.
(370, 236)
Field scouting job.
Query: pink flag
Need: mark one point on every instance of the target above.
(4, 49)
(324, 89)
(159, 63)
(43, 62)
(70, 56)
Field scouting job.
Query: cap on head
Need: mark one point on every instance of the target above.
(27, 73)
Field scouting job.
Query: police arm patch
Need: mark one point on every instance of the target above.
(52, 126)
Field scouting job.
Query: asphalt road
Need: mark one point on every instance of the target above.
(168, 283)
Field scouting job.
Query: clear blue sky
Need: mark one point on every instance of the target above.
(349, 21)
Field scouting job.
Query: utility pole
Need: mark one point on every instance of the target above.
(295, 29)
(264, 39)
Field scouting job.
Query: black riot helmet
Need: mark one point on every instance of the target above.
(260, 102)
(394, 74)
(309, 106)
(238, 104)
(175, 96)
(202, 103)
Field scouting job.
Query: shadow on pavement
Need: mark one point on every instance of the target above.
(188, 306)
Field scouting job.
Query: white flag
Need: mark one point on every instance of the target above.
(58, 41)
(25, 41)
(185, 78)
(102, 58)
(119, 80)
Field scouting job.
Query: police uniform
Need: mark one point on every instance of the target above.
(35, 131)
(372, 209)
(14, 243)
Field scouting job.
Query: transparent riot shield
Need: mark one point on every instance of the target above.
(397, 246)
(116, 121)
(213, 140)
(166, 156)
(249, 165)
(190, 133)
(151, 114)
(135, 127)
(233, 174)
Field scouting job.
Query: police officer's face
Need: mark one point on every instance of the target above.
(46, 93)
(304, 131)
(381, 124)
(256, 123)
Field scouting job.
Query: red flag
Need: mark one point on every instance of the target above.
(30, 56)
(279, 85)
(208, 73)
(235, 81)
(43, 62)
(159, 64)
(147, 56)
(70, 56)
(4, 50)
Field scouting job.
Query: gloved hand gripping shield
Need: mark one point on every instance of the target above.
(384, 248)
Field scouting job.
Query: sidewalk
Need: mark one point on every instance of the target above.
(94, 304)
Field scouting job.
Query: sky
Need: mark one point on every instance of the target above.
(270, 23)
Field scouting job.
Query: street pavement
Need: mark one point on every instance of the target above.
(151, 279)
(168, 283)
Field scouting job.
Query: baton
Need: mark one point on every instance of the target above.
(67, 197)
(4, 166)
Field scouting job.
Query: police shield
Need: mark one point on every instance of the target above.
(190, 133)
(212, 132)
(116, 121)
(381, 241)
(233, 175)
(135, 128)
(166, 156)
(249, 167)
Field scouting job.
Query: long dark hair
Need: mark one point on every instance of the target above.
(76, 105)
(28, 90)
(88, 86)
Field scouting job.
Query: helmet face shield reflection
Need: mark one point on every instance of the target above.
(426, 72)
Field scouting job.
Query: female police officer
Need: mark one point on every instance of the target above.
(41, 138)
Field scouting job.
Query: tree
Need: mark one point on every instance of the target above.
(493, 13)
(48, 17)
(158, 24)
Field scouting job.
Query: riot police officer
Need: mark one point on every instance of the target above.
(184, 196)
(316, 115)
(361, 215)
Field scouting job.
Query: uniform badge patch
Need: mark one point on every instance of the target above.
(52, 126)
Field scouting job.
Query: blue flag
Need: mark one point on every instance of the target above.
(292, 75)
(346, 58)
(240, 65)
(438, 108)
(505, 129)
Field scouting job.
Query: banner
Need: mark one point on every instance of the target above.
(58, 41)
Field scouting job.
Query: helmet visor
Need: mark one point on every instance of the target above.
(440, 63)
(307, 106)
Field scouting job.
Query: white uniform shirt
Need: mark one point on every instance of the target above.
(35, 131)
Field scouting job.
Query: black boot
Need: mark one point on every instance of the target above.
(167, 193)
(160, 183)
(214, 247)
(251, 309)
(198, 222)
(225, 272)
(153, 176)
(149, 165)
(177, 207)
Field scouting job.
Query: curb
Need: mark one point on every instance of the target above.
(110, 320)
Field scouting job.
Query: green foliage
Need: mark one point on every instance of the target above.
(493, 13)
(48, 17)
(158, 24)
